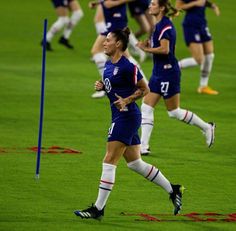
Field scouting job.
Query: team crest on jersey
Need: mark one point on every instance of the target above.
(115, 71)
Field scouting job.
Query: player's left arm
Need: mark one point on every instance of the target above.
(112, 3)
(164, 47)
(142, 90)
(213, 6)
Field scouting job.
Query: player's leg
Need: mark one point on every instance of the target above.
(197, 56)
(99, 20)
(144, 26)
(151, 21)
(115, 150)
(60, 23)
(133, 42)
(147, 109)
(206, 68)
(76, 16)
(100, 59)
(153, 174)
(188, 117)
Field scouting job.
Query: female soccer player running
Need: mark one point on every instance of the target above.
(165, 79)
(198, 39)
(64, 21)
(124, 84)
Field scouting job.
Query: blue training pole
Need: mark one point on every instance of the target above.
(42, 100)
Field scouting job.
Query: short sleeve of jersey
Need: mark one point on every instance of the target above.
(133, 74)
(165, 33)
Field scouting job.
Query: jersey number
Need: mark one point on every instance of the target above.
(111, 129)
(164, 87)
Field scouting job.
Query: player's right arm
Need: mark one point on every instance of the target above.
(181, 5)
(214, 7)
(108, 3)
(112, 3)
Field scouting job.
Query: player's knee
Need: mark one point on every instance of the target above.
(177, 113)
(199, 60)
(110, 158)
(147, 112)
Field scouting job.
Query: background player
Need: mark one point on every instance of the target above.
(64, 21)
(198, 39)
(165, 79)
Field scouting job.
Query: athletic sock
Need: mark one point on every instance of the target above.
(75, 18)
(100, 27)
(106, 185)
(151, 173)
(57, 26)
(100, 60)
(147, 125)
(187, 62)
(206, 68)
(188, 117)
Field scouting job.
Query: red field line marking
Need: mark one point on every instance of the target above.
(51, 150)
(189, 217)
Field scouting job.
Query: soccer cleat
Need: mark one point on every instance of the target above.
(210, 134)
(90, 213)
(48, 45)
(176, 197)
(65, 42)
(145, 151)
(207, 90)
(98, 94)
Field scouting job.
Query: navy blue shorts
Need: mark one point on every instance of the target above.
(138, 7)
(125, 130)
(58, 3)
(166, 86)
(196, 35)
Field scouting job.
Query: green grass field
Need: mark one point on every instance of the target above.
(73, 120)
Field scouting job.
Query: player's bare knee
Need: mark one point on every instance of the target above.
(199, 60)
(110, 158)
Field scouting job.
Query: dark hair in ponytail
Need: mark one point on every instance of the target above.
(169, 9)
(123, 36)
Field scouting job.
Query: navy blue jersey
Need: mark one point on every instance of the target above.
(115, 17)
(163, 64)
(195, 16)
(121, 78)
